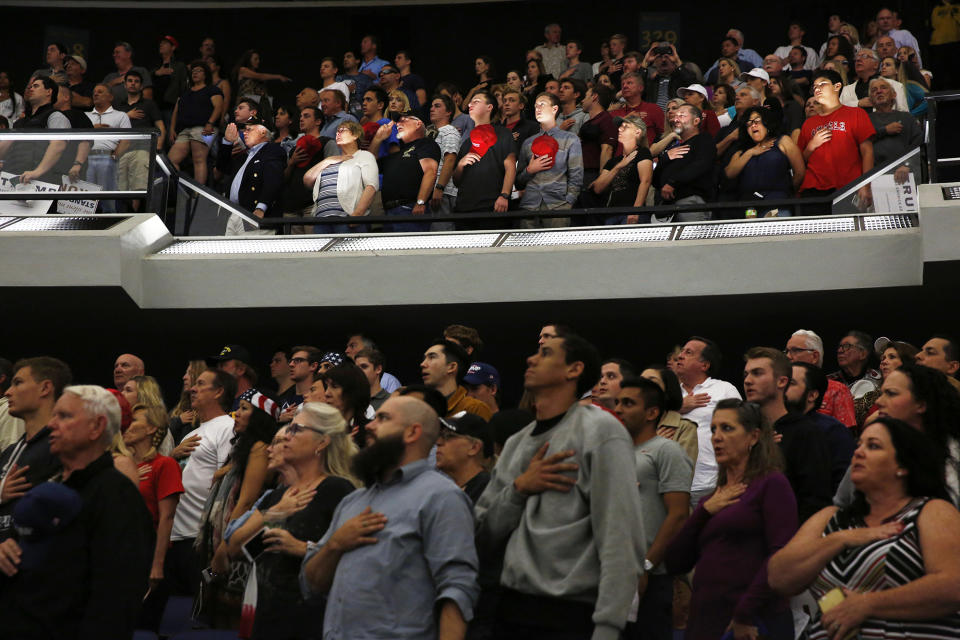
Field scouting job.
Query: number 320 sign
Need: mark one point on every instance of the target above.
(659, 27)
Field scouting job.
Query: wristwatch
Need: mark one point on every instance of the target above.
(505, 196)
(421, 202)
(647, 565)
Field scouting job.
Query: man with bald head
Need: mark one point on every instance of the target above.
(411, 518)
(308, 97)
(126, 367)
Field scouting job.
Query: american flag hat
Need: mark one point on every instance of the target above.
(262, 402)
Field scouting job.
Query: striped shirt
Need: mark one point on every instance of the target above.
(327, 202)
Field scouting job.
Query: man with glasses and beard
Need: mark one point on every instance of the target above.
(410, 519)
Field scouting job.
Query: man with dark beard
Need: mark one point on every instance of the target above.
(411, 519)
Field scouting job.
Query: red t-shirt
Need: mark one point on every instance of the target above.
(837, 162)
(651, 114)
(159, 478)
(838, 402)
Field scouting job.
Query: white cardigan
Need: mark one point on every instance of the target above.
(353, 177)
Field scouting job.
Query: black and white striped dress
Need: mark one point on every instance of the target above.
(881, 565)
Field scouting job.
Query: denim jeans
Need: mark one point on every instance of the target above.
(102, 170)
(399, 227)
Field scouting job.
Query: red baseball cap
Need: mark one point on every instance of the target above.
(545, 145)
(482, 137)
(311, 145)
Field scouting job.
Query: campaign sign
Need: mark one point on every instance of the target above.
(78, 207)
(11, 182)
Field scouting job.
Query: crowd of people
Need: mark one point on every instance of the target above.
(329, 499)
(636, 128)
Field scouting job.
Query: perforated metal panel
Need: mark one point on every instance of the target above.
(400, 243)
(243, 245)
(588, 236)
(58, 223)
(893, 221)
(766, 227)
(6, 220)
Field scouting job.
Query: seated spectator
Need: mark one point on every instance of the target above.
(161, 486)
(673, 425)
(598, 139)
(899, 518)
(897, 131)
(684, 173)
(665, 73)
(465, 451)
(347, 390)
(750, 516)
(550, 167)
(767, 165)
(696, 95)
(867, 67)
(487, 163)
(409, 175)
(836, 142)
(808, 385)
(194, 120)
(795, 34)
(626, 179)
(409, 80)
(652, 115)
(315, 455)
(236, 486)
(344, 185)
(443, 367)
(912, 81)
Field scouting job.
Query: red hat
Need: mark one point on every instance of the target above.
(545, 146)
(482, 137)
(171, 40)
(126, 412)
(311, 145)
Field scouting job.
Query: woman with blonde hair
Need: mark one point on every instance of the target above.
(145, 390)
(318, 449)
(399, 102)
(183, 419)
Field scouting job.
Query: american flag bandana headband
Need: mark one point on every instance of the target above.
(261, 402)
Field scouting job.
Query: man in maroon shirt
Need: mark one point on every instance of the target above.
(631, 88)
(598, 139)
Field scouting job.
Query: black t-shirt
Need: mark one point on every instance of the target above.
(151, 112)
(481, 183)
(402, 172)
(475, 486)
(196, 107)
(521, 130)
(412, 82)
(83, 88)
(281, 610)
(622, 192)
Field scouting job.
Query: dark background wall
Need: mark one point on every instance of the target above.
(90, 327)
(444, 39)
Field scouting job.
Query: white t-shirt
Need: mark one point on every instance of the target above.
(211, 454)
(705, 473)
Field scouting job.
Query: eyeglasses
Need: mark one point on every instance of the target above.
(294, 428)
(754, 121)
(792, 351)
(821, 85)
(298, 360)
(844, 347)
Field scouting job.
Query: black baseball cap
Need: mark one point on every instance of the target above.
(469, 424)
(230, 352)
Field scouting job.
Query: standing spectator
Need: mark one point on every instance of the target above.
(371, 362)
(370, 64)
(836, 143)
(664, 73)
(673, 425)
(652, 115)
(328, 72)
(409, 80)
(944, 43)
(422, 525)
(857, 94)
(343, 185)
(462, 121)
(409, 176)
(87, 576)
(358, 82)
(598, 139)
(37, 161)
(444, 198)
(257, 182)
(483, 67)
(795, 33)
(684, 173)
(568, 571)
(54, 56)
(614, 69)
(512, 118)
(333, 103)
(11, 102)
(766, 376)
(483, 383)
(767, 164)
(347, 390)
(123, 59)
(696, 94)
(553, 54)
(855, 357)
(81, 90)
(170, 78)
(911, 79)
(133, 166)
(464, 449)
(218, 80)
(374, 106)
(664, 473)
(751, 515)
(252, 83)
(571, 116)
(391, 81)
(626, 179)
(837, 402)
(897, 132)
(941, 352)
(195, 118)
(550, 168)
(444, 365)
(102, 169)
(11, 428)
(888, 24)
(575, 69)
(732, 55)
(698, 362)
(487, 162)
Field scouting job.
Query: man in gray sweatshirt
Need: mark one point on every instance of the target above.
(564, 498)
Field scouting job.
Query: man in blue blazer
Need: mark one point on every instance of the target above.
(257, 182)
